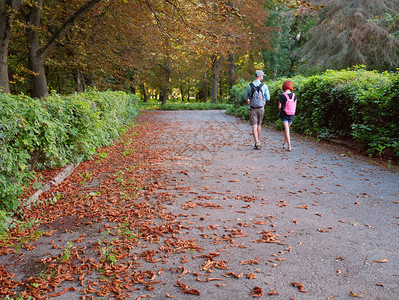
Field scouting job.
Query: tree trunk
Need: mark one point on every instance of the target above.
(164, 96)
(182, 93)
(205, 91)
(143, 92)
(5, 35)
(36, 57)
(217, 66)
(79, 80)
(232, 70)
(58, 80)
(168, 71)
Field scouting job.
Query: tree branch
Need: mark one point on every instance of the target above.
(67, 25)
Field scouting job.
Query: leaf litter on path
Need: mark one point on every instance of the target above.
(138, 218)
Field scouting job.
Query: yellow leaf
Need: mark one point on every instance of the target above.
(354, 295)
(381, 261)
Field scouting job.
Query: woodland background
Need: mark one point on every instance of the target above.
(179, 48)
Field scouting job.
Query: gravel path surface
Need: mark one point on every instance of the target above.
(313, 223)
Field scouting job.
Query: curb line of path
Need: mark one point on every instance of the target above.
(61, 176)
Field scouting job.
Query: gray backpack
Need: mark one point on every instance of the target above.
(257, 99)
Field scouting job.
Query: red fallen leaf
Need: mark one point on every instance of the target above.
(50, 233)
(303, 206)
(251, 276)
(29, 247)
(324, 230)
(273, 293)
(256, 292)
(230, 274)
(213, 279)
(299, 286)
(280, 259)
(250, 262)
(260, 222)
(169, 296)
(71, 288)
(191, 292)
(199, 279)
(233, 180)
(181, 285)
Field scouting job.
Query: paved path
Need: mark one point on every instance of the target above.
(314, 223)
(337, 216)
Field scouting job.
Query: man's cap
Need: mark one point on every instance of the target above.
(259, 73)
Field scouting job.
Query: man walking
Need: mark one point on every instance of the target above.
(257, 93)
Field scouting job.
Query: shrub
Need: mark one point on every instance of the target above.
(52, 132)
(349, 103)
(193, 106)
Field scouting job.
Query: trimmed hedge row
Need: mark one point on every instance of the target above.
(52, 132)
(355, 103)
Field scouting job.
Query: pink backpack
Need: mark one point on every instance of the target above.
(290, 105)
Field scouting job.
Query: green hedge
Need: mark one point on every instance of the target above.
(52, 132)
(179, 105)
(353, 103)
(193, 106)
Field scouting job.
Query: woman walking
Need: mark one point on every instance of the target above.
(287, 105)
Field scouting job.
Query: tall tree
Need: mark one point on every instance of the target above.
(355, 32)
(8, 8)
(38, 53)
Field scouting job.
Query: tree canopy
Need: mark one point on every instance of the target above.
(199, 47)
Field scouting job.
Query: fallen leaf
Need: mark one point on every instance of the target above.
(250, 262)
(354, 295)
(62, 292)
(233, 180)
(300, 287)
(303, 206)
(273, 293)
(256, 292)
(191, 292)
(380, 261)
(232, 274)
(324, 230)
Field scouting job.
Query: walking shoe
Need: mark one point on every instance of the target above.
(257, 147)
